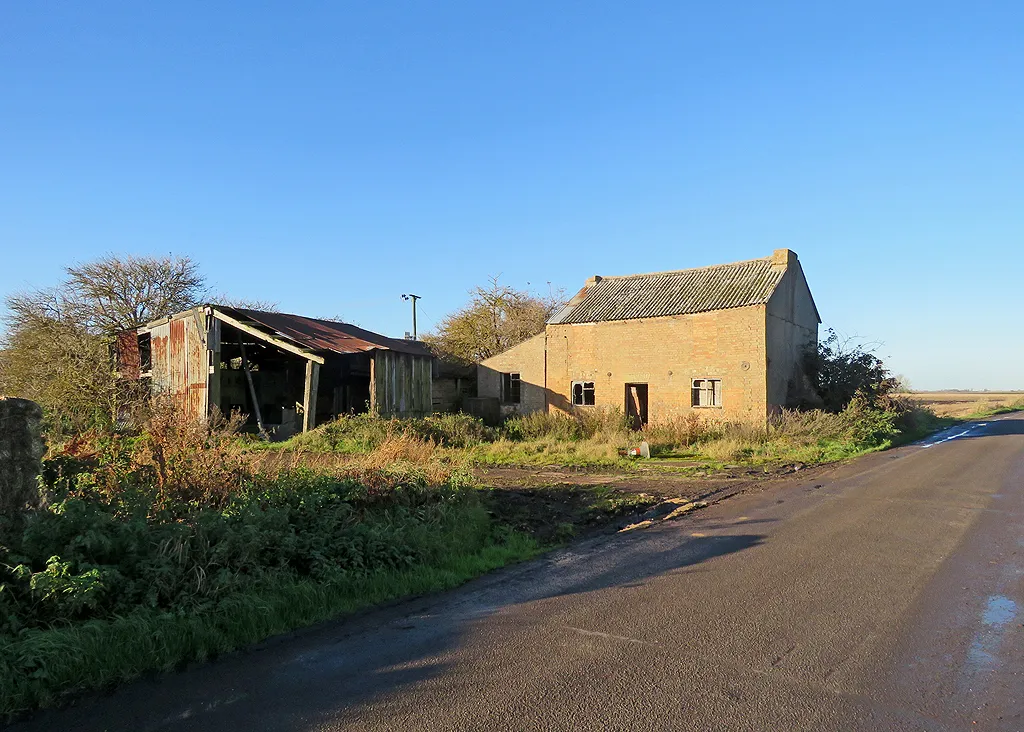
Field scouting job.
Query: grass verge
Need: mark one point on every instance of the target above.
(42, 667)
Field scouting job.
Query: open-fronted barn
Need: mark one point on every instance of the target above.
(287, 372)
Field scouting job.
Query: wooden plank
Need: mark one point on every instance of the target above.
(374, 406)
(309, 396)
(257, 333)
(197, 366)
(252, 390)
(213, 349)
(428, 385)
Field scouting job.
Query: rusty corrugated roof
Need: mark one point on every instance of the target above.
(674, 293)
(323, 335)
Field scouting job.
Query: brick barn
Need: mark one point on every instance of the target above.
(724, 341)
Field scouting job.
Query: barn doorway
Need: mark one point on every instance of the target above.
(636, 405)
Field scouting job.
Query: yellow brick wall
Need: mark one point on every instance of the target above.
(528, 360)
(665, 353)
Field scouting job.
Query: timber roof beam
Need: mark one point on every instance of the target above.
(267, 337)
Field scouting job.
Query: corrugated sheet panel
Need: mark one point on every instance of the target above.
(188, 369)
(323, 335)
(674, 293)
(160, 336)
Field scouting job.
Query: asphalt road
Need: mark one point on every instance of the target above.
(884, 595)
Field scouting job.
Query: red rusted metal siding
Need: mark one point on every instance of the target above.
(181, 362)
(176, 361)
(127, 350)
(161, 359)
(197, 367)
(188, 369)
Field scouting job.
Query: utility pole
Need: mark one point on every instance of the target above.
(414, 298)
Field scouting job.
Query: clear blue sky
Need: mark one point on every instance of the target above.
(331, 156)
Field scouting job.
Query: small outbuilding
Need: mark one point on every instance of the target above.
(287, 372)
(725, 342)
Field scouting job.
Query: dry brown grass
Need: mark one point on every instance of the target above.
(959, 404)
(191, 461)
(398, 457)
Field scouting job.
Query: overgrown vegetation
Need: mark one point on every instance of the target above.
(56, 349)
(168, 547)
(862, 411)
(600, 438)
(841, 369)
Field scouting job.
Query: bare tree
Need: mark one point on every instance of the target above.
(496, 318)
(120, 293)
(245, 303)
(56, 349)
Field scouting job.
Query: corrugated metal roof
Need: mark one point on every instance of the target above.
(323, 335)
(674, 293)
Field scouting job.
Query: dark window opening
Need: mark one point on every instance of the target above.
(583, 393)
(706, 393)
(511, 388)
(145, 352)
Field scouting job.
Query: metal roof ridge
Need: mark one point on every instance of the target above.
(289, 315)
(681, 271)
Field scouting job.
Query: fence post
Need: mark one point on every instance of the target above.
(21, 453)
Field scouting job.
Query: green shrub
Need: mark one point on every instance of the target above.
(448, 430)
(86, 556)
(362, 433)
(537, 425)
(841, 369)
(358, 433)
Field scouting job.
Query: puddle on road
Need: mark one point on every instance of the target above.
(983, 654)
(1000, 611)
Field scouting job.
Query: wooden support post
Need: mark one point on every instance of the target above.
(309, 396)
(252, 389)
(374, 405)
(213, 390)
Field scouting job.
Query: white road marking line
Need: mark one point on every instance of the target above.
(955, 436)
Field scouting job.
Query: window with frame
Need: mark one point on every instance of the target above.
(583, 393)
(706, 393)
(511, 388)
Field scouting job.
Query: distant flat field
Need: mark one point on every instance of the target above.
(966, 403)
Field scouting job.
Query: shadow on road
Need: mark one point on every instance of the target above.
(1000, 427)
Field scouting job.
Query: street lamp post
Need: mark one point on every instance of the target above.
(414, 298)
